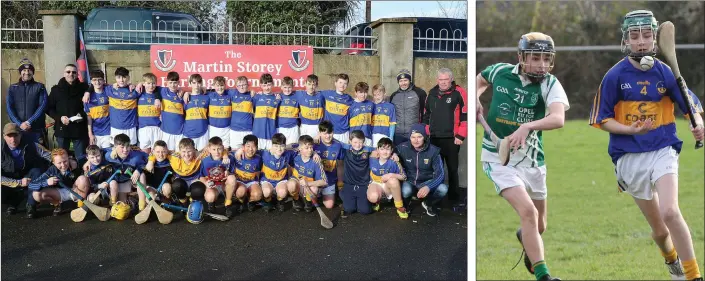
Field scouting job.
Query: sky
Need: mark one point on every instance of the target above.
(392, 9)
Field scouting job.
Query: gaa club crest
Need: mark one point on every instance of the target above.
(298, 61)
(165, 61)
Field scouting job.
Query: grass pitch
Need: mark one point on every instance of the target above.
(593, 232)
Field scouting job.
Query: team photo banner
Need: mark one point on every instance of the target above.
(232, 61)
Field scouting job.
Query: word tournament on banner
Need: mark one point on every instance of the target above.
(231, 61)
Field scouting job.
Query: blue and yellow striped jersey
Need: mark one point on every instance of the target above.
(288, 114)
(243, 111)
(383, 118)
(311, 107)
(628, 94)
(378, 169)
(172, 112)
(98, 109)
(264, 125)
(123, 107)
(275, 169)
(361, 117)
(330, 155)
(336, 110)
(219, 109)
(147, 112)
(309, 170)
(248, 170)
(196, 121)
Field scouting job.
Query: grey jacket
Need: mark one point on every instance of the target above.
(409, 107)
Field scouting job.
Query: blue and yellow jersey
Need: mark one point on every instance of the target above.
(123, 107)
(361, 117)
(309, 171)
(288, 113)
(275, 169)
(196, 121)
(311, 107)
(187, 171)
(330, 155)
(377, 169)
(336, 110)
(383, 118)
(98, 109)
(248, 170)
(264, 125)
(219, 109)
(147, 112)
(208, 163)
(243, 111)
(172, 112)
(627, 94)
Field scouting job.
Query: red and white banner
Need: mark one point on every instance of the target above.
(232, 61)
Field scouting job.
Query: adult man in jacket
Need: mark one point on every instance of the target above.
(26, 103)
(22, 161)
(65, 103)
(446, 116)
(408, 103)
(424, 169)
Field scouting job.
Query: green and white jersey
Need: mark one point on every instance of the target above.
(515, 100)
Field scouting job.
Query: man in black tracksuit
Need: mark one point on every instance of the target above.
(26, 104)
(446, 115)
(408, 103)
(424, 169)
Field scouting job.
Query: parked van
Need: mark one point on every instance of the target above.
(133, 28)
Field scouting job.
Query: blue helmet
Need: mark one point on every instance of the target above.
(194, 214)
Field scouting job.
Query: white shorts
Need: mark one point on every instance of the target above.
(103, 141)
(638, 172)
(131, 133)
(148, 135)
(368, 142)
(222, 133)
(247, 185)
(219, 188)
(125, 187)
(385, 190)
(343, 138)
(66, 195)
(291, 134)
(311, 130)
(236, 138)
(263, 144)
(532, 179)
(328, 190)
(201, 142)
(274, 185)
(172, 141)
(376, 138)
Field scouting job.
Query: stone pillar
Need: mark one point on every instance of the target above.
(394, 48)
(60, 42)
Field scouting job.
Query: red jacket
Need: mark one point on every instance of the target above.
(446, 112)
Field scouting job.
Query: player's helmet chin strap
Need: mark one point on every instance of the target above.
(639, 20)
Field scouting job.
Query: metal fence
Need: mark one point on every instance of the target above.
(445, 41)
(323, 38)
(23, 33)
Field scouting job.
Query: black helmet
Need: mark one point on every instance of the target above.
(536, 43)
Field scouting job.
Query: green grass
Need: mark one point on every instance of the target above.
(593, 232)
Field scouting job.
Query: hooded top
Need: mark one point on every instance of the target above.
(423, 167)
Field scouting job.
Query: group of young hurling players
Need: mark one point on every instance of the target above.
(258, 148)
(644, 149)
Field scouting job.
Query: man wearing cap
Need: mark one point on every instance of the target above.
(26, 101)
(446, 115)
(424, 169)
(22, 161)
(408, 103)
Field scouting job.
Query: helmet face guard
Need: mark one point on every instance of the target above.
(536, 55)
(120, 210)
(639, 22)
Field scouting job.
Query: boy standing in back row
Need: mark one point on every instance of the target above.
(337, 105)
